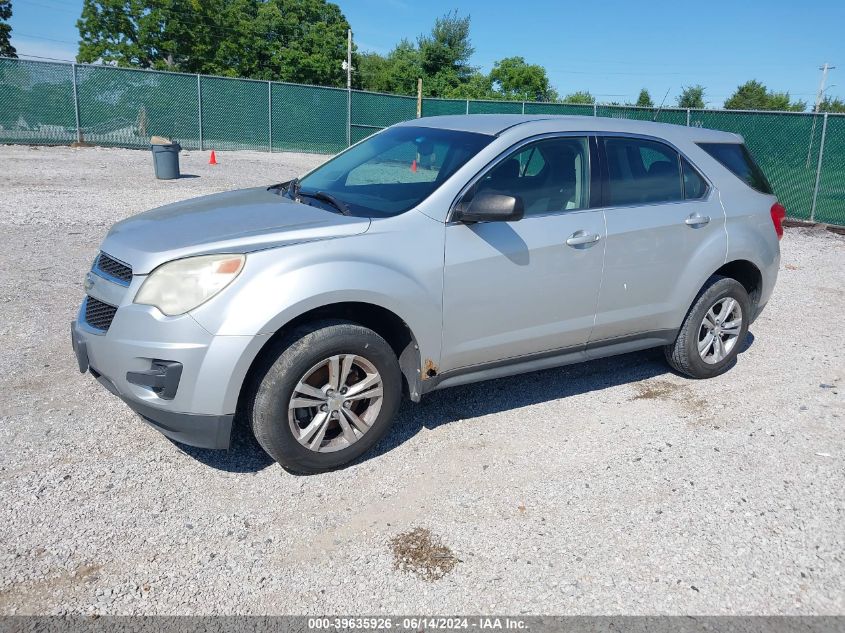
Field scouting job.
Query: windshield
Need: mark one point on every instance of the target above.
(393, 171)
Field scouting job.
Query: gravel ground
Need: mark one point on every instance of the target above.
(609, 487)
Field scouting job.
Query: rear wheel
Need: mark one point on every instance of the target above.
(713, 331)
(330, 395)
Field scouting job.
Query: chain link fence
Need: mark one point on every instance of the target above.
(803, 154)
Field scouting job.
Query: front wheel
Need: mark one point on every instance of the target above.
(330, 395)
(713, 331)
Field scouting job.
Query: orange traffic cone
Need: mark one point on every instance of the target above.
(213, 159)
(414, 165)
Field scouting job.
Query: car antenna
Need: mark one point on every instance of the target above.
(656, 114)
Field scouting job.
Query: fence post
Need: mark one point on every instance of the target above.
(76, 105)
(595, 109)
(467, 106)
(270, 114)
(199, 107)
(818, 169)
(688, 117)
(523, 107)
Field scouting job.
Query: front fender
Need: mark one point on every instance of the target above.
(397, 265)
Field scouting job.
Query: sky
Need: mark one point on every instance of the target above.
(611, 48)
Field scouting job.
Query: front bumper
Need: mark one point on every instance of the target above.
(179, 378)
(203, 431)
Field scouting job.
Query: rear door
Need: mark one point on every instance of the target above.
(665, 235)
(514, 289)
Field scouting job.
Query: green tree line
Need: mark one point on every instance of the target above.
(6, 48)
(305, 41)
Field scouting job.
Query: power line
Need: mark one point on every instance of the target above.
(51, 59)
(61, 10)
(39, 37)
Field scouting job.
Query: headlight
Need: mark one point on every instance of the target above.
(184, 284)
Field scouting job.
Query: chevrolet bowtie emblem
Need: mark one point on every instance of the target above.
(89, 282)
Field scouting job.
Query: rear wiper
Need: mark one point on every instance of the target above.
(340, 205)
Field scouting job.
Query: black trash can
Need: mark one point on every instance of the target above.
(166, 160)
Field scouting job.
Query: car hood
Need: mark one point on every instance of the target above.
(238, 221)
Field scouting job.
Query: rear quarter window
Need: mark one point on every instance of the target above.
(737, 158)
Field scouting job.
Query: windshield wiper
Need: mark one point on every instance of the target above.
(340, 205)
(286, 187)
(294, 190)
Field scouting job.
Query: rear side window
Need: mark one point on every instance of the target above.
(642, 172)
(737, 158)
(694, 184)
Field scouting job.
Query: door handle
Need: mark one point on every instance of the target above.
(697, 220)
(582, 238)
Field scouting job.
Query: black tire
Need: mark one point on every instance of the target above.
(683, 354)
(296, 354)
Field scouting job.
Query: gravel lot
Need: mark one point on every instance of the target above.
(610, 487)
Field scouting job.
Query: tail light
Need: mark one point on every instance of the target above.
(778, 215)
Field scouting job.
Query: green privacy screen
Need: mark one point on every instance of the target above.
(53, 103)
(373, 111)
(235, 113)
(36, 102)
(124, 108)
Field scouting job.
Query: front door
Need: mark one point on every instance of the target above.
(514, 289)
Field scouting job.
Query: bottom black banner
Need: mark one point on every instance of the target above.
(418, 623)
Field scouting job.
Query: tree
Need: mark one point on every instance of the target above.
(644, 100)
(373, 72)
(513, 78)
(445, 56)
(447, 48)
(753, 95)
(398, 72)
(582, 97)
(299, 40)
(6, 48)
(441, 58)
(691, 97)
(478, 86)
(150, 36)
(829, 104)
(288, 40)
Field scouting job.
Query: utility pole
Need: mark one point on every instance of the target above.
(348, 65)
(349, 59)
(819, 96)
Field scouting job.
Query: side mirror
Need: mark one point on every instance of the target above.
(487, 206)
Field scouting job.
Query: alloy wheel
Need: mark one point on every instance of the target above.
(719, 330)
(335, 403)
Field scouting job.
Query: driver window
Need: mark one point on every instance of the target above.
(550, 176)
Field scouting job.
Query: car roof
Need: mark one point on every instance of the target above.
(530, 124)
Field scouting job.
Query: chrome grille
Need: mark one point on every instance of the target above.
(113, 268)
(98, 315)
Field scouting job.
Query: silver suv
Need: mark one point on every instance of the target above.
(437, 252)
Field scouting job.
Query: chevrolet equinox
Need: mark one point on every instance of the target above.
(438, 252)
